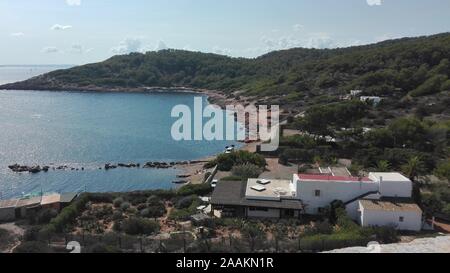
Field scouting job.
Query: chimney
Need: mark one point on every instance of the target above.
(380, 187)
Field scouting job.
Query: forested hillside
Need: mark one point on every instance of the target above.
(412, 67)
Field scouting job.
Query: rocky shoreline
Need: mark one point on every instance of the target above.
(214, 96)
(34, 169)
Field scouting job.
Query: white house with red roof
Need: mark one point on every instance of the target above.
(381, 199)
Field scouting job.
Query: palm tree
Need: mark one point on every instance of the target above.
(383, 166)
(413, 168)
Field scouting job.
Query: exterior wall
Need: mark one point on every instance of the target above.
(228, 211)
(7, 214)
(412, 220)
(55, 206)
(389, 188)
(353, 209)
(396, 189)
(331, 191)
(270, 213)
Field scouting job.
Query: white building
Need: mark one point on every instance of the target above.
(373, 99)
(381, 199)
(389, 212)
(355, 93)
(319, 191)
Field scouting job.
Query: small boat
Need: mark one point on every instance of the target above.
(183, 175)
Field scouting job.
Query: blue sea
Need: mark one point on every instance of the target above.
(83, 129)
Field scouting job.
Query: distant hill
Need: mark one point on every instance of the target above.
(409, 67)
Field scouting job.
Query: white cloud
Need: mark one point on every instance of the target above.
(298, 27)
(161, 46)
(79, 49)
(73, 2)
(221, 51)
(374, 2)
(50, 49)
(17, 34)
(320, 40)
(129, 45)
(60, 27)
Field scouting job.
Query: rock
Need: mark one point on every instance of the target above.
(35, 169)
(109, 166)
(130, 165)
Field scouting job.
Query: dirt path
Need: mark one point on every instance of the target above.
(16, 232)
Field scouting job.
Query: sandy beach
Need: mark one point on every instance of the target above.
(197, 172)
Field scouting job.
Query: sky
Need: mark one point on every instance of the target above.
(86, 31)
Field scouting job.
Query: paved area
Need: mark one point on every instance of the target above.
(428, 245)
(278, 171)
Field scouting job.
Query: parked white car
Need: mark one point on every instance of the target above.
(214, 183)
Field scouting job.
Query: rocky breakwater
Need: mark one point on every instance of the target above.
(109, 166)
(31, 169)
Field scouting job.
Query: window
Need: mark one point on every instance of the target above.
(317, 193)
(289, 213)
(401, 219)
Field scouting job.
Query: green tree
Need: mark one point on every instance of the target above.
(383, 166)
(443, 170)
(247, 171)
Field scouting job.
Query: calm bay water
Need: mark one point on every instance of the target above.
(89, 130)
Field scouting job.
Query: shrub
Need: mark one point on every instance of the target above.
(386, 235)
(117, 215)
(32, 234)
(139, 226)
(185, 202)
(446, 211)
(443, 170)
(153, 200)
(232, 178)
(125, 206)
(103, 249)
(200, 190)
(33, 247)
(67, 215)
(247, 171)
(46, 215)
(118, 202)
(226, 162)
(154, 211)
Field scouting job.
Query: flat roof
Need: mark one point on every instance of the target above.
(29, 202)
(68, 197)
(397, 177)
(393, 205)
(275, 189)
(6, 204)
(50, 199)
(331, 178)
(232, 193)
